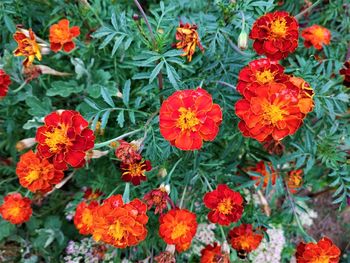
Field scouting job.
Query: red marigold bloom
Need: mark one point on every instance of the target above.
(158, 198)
(127, 152)
(295, 180)
(61, 36)
(275, 35)
(244, 239)
(5, 82)
(213, 254)
(65, 138)
(226, 205)
(16, 209)
(323, 251)
(346, 72)
(83, 218)
(27, 47)
(135, 172)
(261, 169)
(37, 174)
(188, 40)
(316, 36)
(178, 227)
(188, 117)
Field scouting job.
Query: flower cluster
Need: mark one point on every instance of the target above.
(16, 209)
(316, 36)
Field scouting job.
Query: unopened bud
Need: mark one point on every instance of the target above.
(95, 154)
(135, 17)
(162, 172)
(243, 40)
(25, 144)
(119, 94)
(165, 188)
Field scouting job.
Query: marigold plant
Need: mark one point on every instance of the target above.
(16, 209)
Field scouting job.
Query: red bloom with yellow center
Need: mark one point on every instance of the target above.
(135, 172)
(157, 198)
(188, 117)
(244, 239)
(346, 72)
(65, 138)
(226, 205)
(16, 209)
(275, 35)
(178, 227)
(83, 218)
(61, 36)
(316, 36)
(127, 152)
(37, 174)
(295, 180)
(213, 254)
(266, 174)
(188, 40)
(324, 251)
(5, 82)
(27, 47)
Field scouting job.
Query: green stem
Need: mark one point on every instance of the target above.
(172, 171)
(298, 16)
(206, 181)
(20, 87)
(126, 194)
(183, 196)
(222, 233)
(102, 144)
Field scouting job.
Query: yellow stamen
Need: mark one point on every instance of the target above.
(272, 113)
(33, 176)
(179, 230)
(187, 119)
(279, 27)
(57, 139)
(225, 206)
(116, 230)
(265, 76)
(14, 211)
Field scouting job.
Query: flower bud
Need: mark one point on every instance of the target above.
(25, 144)
(162, 172)
(243, 40)
(165, 188)
(95, 154)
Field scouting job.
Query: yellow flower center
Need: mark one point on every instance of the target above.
(116, 230)
(61, 34)
(273, 113)
(179, 230)
(319, 33)
(135, 169)
(15, 211)
(225, 206)
(245, 243)
(187, 119)
(321, 259)
(57, 139)
(279, 27)
(33, 176)
(265, 76)
(86, 218)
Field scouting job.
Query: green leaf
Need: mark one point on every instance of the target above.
(117, 43)
(120, 119)
(53, 222)
(172, 75)
(6, 229)
(38, 108)
(107, 97)
(126, 92)
(9, 24)
(156, 71)
(64, 88)
(104, 119)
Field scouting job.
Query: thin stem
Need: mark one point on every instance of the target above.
(222, 233)
(94, 12)
(206, 181)
(126, 194)
(146, 21)
(226, 84)
(183, 196)
(62, 183)
(298, 16)
(114, 190)
(170, 202)
(100, 145)
(172, 171)
(20, 87)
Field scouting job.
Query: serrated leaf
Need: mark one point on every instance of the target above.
(114, 21)
(38, 107)
(132, 117)
(156, 71)
(126, 92)
(107, 97)
(91, 104)
(172, 75)
(104, 119)
(117, 43)
(108, 39)
(120, 119)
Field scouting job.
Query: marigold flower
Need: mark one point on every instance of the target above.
(83, 218)
(135, 172)
(275, 35)
(188, 40)
(316, 36)
(295, 180)
(225, 204)
(5, 82)
(90, 194)
(188, 117)
(16, 209)
(27, 47)
(266, 175)
(37, 174)
(178, 227)
(213, 254)
(157, 198)
(65, 138)
(165, 257)
(244, 239)
(346, 72)
(127, 152)
(306, 94)
(322, 251)
(61, 36)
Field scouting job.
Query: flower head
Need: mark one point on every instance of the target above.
(127, 152)
(5, 82)
(27, 47)
(226, 205)
(346, 72)
(61, 36)
(37, 174)
(316, 36)
(83, 218)
(135, 172)
(188, 117)
(157, 198)
(266, 174)
(295, 180)
(275, 35)
(65, 138)
(322, 251)
(244, 239)
(213, 254)
(188, 40)
(16, 209)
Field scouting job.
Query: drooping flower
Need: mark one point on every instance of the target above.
(188, 117)
(214, 254)
(244, 239)
(27, 47)
(16, 209)
(37, 174)
(316, 36)
(65, 138)
(322, 251)
(157, 198)
(346, 72)
(266, 174)
(5, 82)
(61, 36)
(25, 144)
(275, 35)
(135, 172)
(83, 218)
(295, 180)
(305, 96)
(178, 227)
(188, 40)
(127, 152)
(225, 204)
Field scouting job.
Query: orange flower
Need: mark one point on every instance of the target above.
(306, 94)
(5, 82)
(275, 35)
(295, 180)
(244, 239)
(316, 36)
(61, 36)
(323, 251)
(135, 172)
(266, 176)
(37, 174)
(65, 138)
(83, 218)
(213, 254)
(16, 209)
(188, 117)
(188, 36)
(27, 47)
(226, 205)
(178, 227)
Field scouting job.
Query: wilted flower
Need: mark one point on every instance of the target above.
(165, 257)
(135, 172)
(61, 36)
(346, 72)
(5, 82)
(25, 144)
(16, 209)
(295, 180)
(157, 198)
(127, 152)
(90, 194)
(34, 71)
(266, 175)
(316, 36)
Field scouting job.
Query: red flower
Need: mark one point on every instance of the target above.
(127, 152)
(61, 36)
(83, 218)
(157, 198)
(5, 82)
(346, 72)
(16, 209)
(295, 180)
(37, 174)
(90, 194)
(65, 138)
(323, 251)
(213, 254)
(188, 117)
(244, 239)
(275, 35)
(266, 175)
(316, 36)
(226, 205)
(135, 172)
